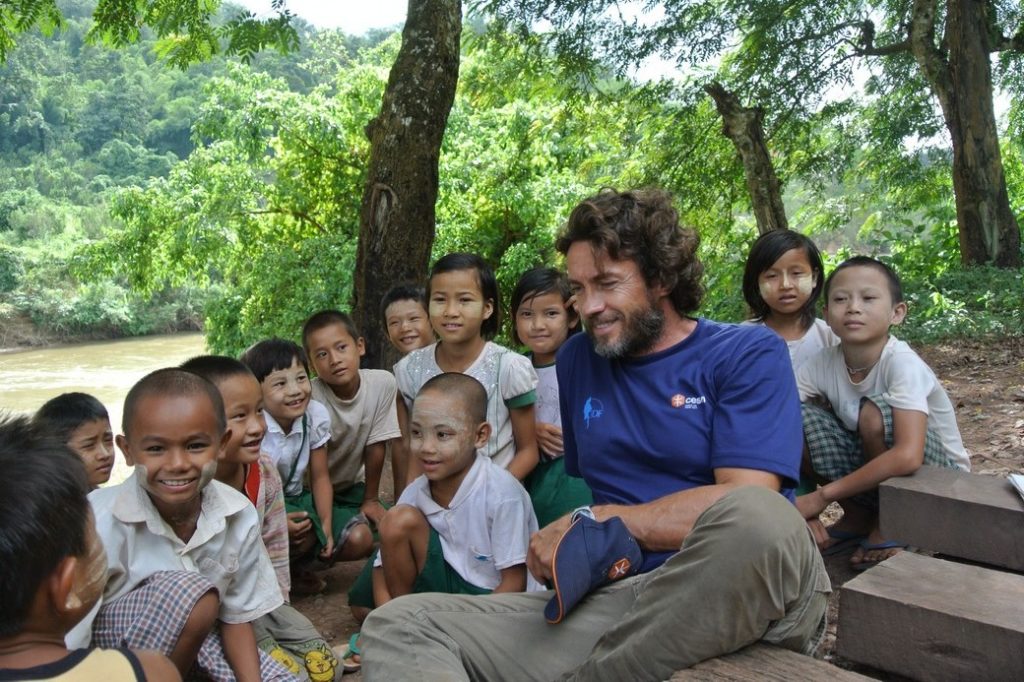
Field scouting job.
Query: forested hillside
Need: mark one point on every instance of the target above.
(78, 124)
(138, 198)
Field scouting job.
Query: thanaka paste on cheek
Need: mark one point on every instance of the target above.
(93, 581)
(209, 469)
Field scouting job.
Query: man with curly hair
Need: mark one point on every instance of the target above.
(689, 432)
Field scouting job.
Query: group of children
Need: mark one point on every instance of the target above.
(249, 475)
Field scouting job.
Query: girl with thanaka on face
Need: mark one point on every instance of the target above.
(782, 281)
(54, 568)
(464, 306)
(887, 413)
(187, 569)
(81, 421)
(284, 633)
(298, 430)
(542, 320)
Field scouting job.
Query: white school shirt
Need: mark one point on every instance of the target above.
(287, 449)
(817, 337)
(547, 409)
(508, 378)
(900, 377)
(226, 548)
(487, 526)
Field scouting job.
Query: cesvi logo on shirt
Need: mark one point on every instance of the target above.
(687, 403)
(592, 409)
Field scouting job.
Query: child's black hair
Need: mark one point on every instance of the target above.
(172, 382)
(485, 278)
(271, 355)
(325, 318)
(467, 388)
(43, 514)
(537, 282)
(769, 248)
(406, 291)
(216, 368)
(60, 416)
(895, 287)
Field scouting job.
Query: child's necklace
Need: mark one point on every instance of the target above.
(858, 370)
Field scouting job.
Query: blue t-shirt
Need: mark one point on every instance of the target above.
(641, 428)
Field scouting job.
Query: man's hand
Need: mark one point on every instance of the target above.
(299, 526)
(542, 548)
(811, 504)
(549, 438)
(328, 550)
(373, 510)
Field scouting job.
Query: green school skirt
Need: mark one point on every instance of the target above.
(344, 508)
(554, 492)
(436, 576)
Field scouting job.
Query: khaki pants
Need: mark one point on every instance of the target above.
(748, 571)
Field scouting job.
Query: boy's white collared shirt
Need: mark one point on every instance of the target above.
(287, 450)
(487, 526)
(226, 548)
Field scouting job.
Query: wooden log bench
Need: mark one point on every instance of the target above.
(765, 662)
(960, 514)
(932, 619)
(929, 618)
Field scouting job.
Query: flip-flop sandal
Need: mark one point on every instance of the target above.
(870, 547)
(346, 530)
(345, 657)
(845, 541)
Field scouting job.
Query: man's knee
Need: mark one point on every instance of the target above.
(753, 516)
(203, 616)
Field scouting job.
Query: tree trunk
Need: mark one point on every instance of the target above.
(989, 232)
(743, 126)
(396, 224)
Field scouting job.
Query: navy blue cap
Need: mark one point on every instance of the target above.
(590, 554)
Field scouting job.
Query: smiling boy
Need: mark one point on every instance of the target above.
(187, 571)
(887, 412)
(464, 525)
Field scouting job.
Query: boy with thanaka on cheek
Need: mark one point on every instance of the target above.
(284, 633)
(187, 569)
(464, 525)
(53, 566)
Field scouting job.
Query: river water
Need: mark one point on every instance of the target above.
(105, 369)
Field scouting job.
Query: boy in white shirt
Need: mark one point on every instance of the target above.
(187, 571)
(298, 431)
(464, 525)
(887, 412)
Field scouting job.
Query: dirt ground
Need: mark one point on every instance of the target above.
(985, 381)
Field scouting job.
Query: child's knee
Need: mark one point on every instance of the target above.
(203, 615)
(359, 541)
(402, 521)
(870, 423)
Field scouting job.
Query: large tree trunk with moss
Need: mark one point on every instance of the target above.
(743, 126)
(396, 224)
(960, 75)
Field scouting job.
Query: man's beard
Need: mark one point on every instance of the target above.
(640, 331)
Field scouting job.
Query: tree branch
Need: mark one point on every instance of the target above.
(299, 215)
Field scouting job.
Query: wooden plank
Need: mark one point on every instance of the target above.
(764, 662)
(956, 513)
(930, 619)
